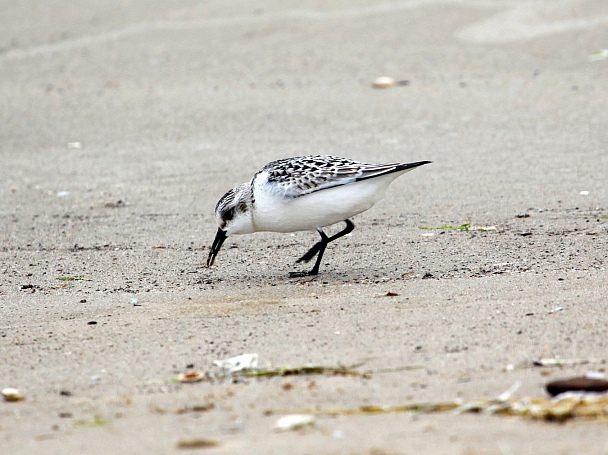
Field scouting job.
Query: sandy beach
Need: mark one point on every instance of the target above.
(122, 125)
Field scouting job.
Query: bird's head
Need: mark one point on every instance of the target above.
(233, 216)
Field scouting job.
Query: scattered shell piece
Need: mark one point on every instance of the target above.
(191, 376)
(337, 434)
(599, 55)
(584, 193)
(238, 363)
(135, 302)
(481, 228)
(74, 145)
(509, 392)
(384, 82)
(427, 234)
(63, 193)
(294, 422)
(11, 394)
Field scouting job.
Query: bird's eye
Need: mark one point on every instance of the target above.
(228, 214)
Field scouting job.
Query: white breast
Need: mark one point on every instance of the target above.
(273, 212)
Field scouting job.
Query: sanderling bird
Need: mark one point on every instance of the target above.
(304, 193)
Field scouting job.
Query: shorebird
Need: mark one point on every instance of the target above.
(304, 193)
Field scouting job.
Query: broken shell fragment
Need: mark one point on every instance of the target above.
(238, 363)
(191, 376)
(10, 394)
(294, 422)
(384, 82)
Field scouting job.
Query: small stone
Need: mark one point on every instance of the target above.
(578, 384)
(197, 443)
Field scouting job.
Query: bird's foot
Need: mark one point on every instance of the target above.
(311, 253)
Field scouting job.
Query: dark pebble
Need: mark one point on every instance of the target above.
(580, 384)
(92, 322)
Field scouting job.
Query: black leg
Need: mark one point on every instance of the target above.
(319, 248)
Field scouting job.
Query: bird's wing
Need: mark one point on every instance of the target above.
(295, 177)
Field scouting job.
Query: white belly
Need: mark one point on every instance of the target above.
(319, 209)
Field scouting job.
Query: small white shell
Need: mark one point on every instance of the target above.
(294, 422)
(384, 82)
(238, 363)
(10, 394)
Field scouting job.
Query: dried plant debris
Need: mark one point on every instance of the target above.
(195, 408)
(547, 362)
(241, 367)
(308, 370)
(462, 227)
(583, 407)
(96, 422)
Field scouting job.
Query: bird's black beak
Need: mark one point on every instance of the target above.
(217, 244)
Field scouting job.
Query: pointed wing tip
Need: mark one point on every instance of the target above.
(416, 164)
